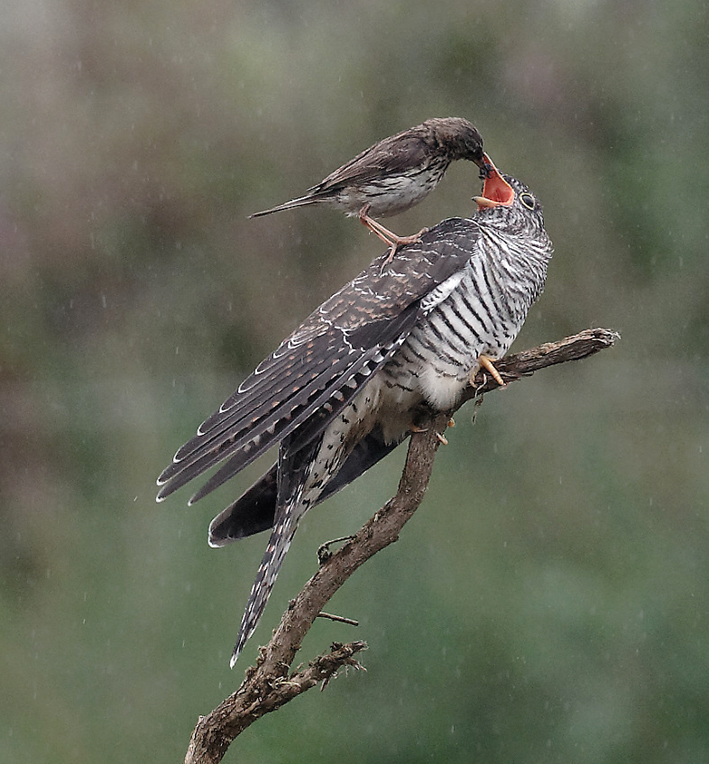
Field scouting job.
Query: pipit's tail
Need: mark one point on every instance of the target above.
(301, 201)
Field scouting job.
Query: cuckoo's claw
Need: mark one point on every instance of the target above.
(486, 363)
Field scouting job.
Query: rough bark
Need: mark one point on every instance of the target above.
(270, 683)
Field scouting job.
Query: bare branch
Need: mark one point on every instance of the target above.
(268, 685)
(338, 618)
(526, 362)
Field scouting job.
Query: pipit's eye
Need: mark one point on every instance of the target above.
(527, 200)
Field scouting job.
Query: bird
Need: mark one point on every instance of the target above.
(394, 174)
(348, 385)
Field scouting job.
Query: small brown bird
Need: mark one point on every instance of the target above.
(395, 174)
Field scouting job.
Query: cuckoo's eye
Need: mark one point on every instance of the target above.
(527, 200)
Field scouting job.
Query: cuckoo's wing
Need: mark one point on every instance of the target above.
(322, 365)
(255, 510)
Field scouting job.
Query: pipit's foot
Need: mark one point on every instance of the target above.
(387, 236)
(442, 439)
(486, 363)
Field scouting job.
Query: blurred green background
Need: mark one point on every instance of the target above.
(550, 600)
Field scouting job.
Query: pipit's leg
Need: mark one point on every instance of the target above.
(387, 236)
(486, 363)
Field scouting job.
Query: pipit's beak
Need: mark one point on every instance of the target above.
(497, 192)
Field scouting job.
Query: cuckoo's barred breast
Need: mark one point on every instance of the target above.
(342, 390)
(483, 313)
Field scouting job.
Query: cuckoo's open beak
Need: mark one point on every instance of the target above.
(497, 192)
